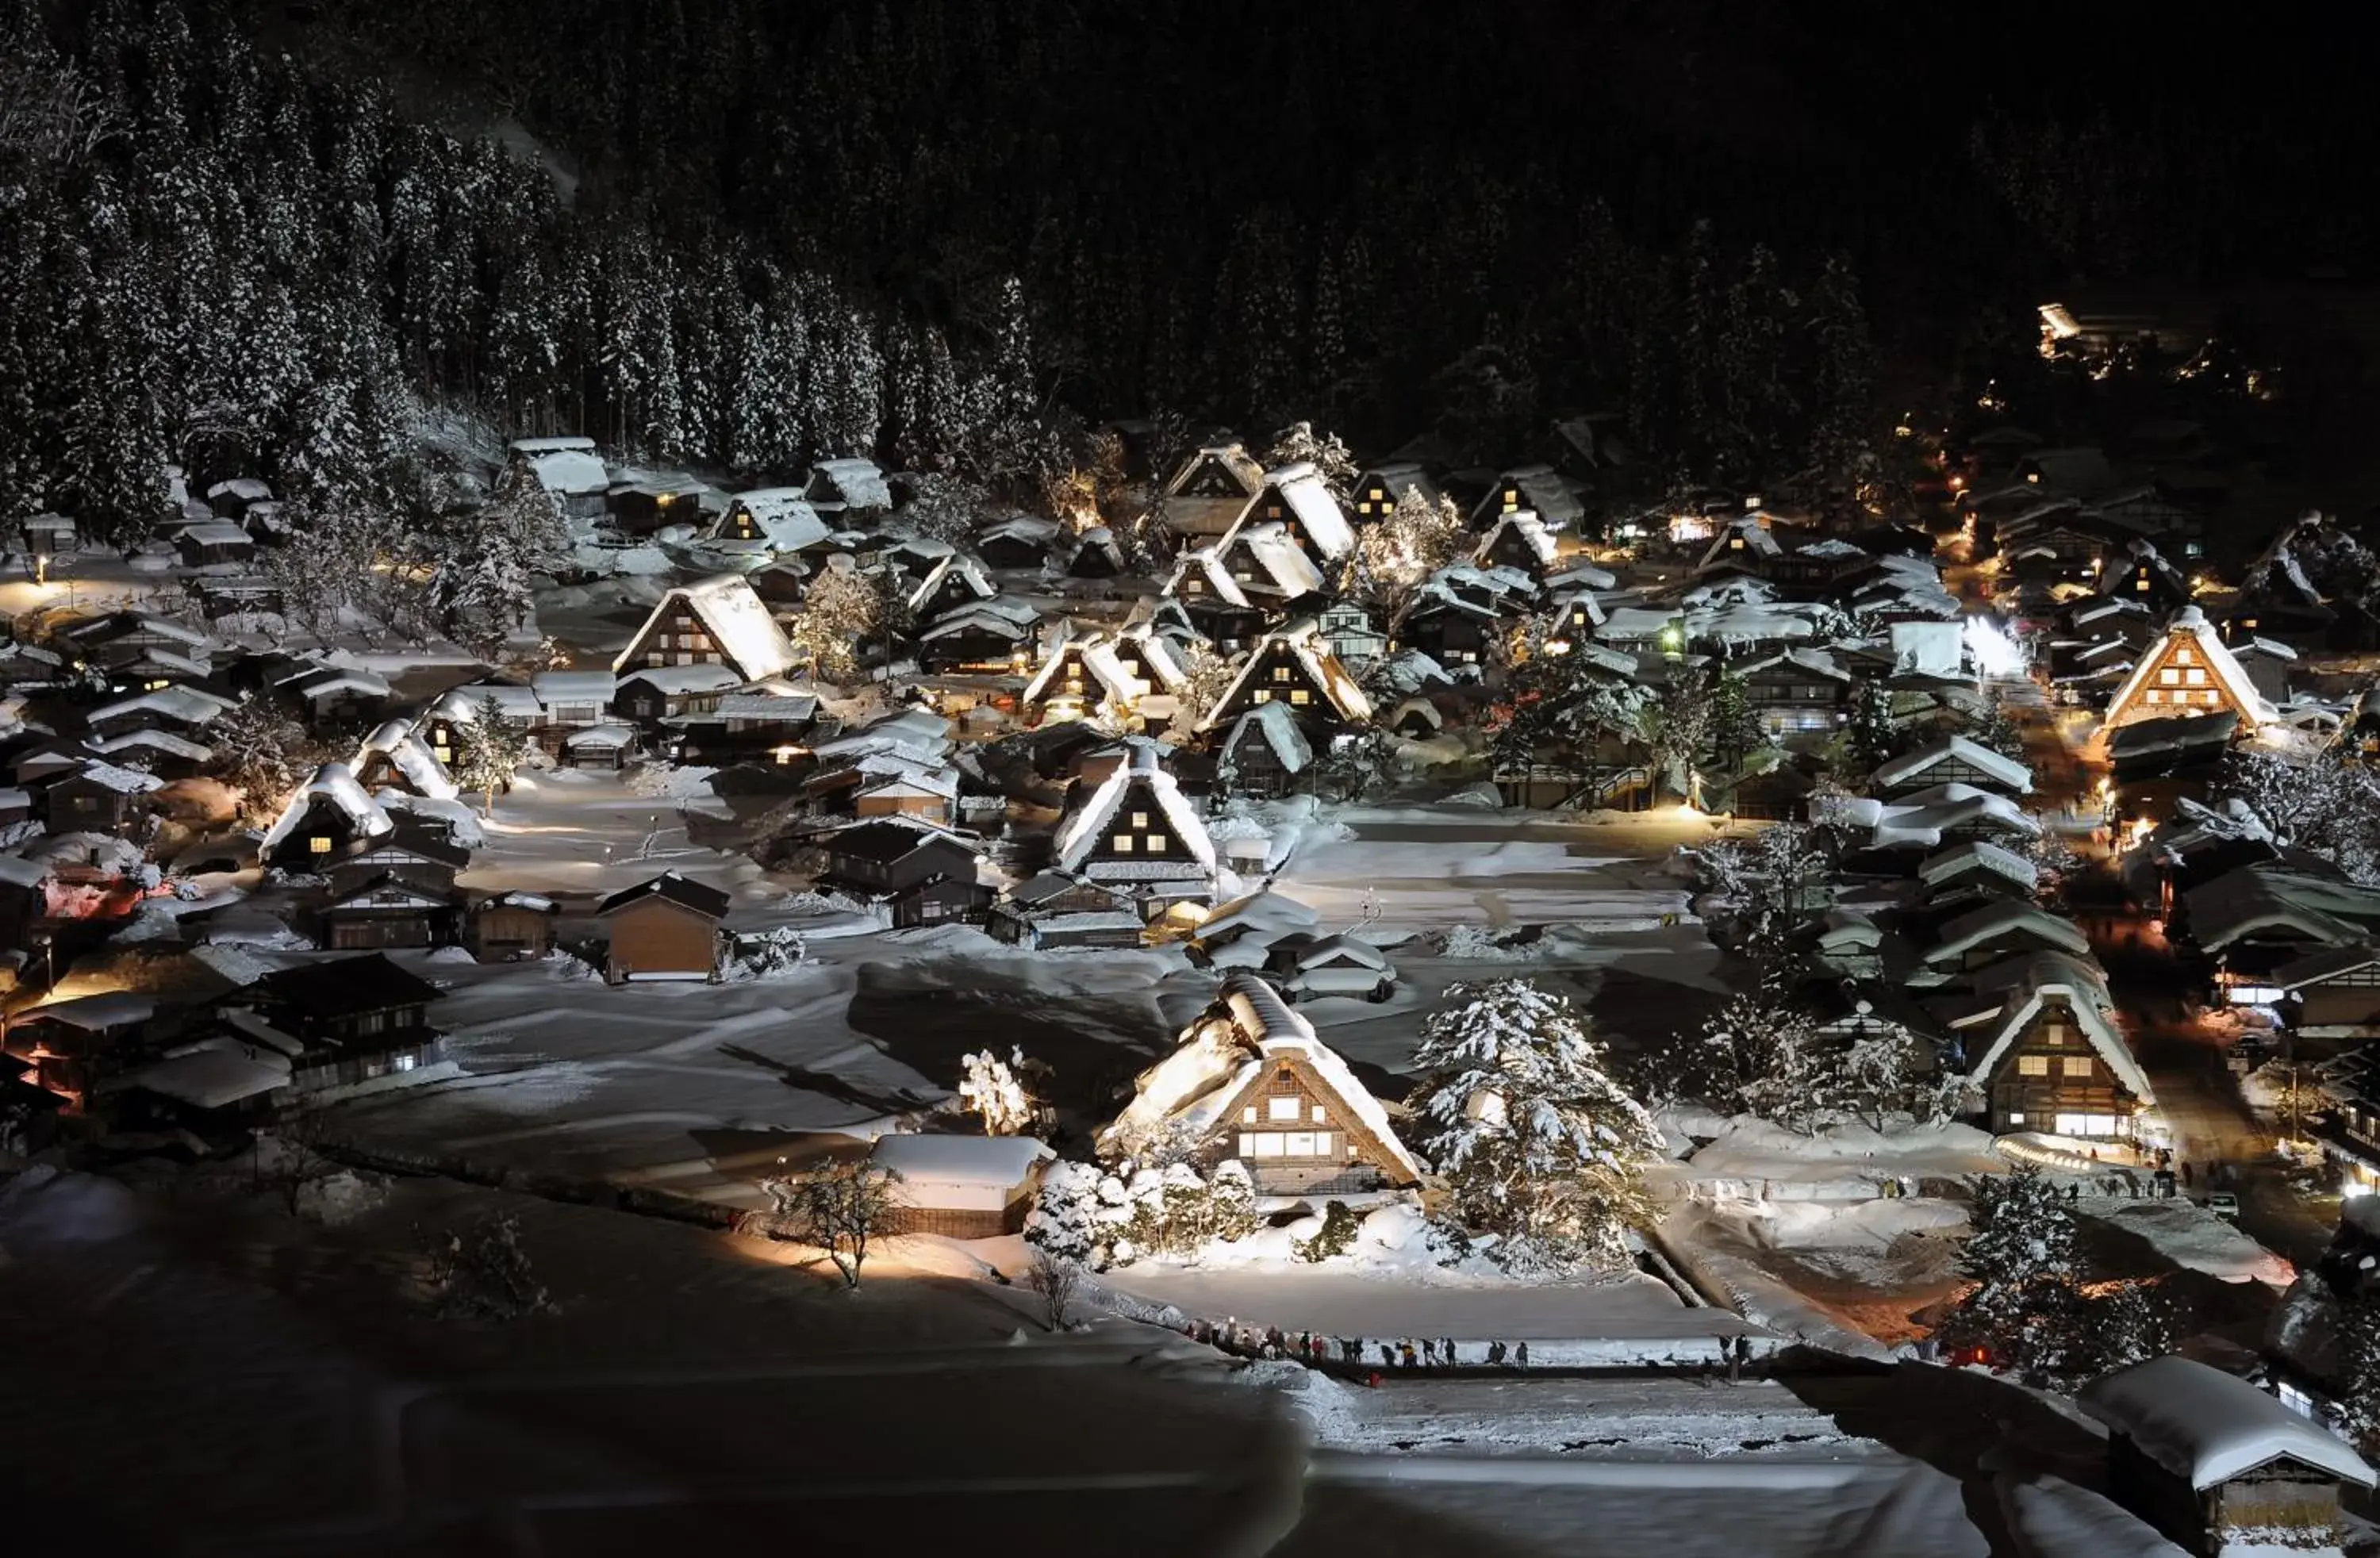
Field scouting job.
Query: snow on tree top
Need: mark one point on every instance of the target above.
(2208, 1428)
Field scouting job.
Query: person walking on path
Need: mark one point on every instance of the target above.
(1523, 1356)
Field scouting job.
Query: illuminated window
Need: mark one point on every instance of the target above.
(1511, 498)
(1300, 1144)
(1281, 673)
(2182, 656)
(1320, 1114)
(2142, 584)
(2033, 1065)
(2016, 1116)
(2053, 1033)
(1263, 695)
(1140, 818)
(1157, 843)
(2168, 677)
(319, 845)
(1364, 507)
(2078, 1065)
(1249, 1143)
(1268, 1144)
(1123, 843)
(1248, 1115)
(2155, 697)
(1288, 1108)
(1300, 696)
(2198, 676)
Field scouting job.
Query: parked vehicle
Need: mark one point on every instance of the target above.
(2224, 1204)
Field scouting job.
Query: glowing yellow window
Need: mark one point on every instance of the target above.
(1300, 697)
(1123, 843)
(2168, 677)
(1140, 818)
(2198, 676)
(1281, 673)
(2155, 697)
(1263, 695)
(1157, 843)
(2182, 655)
(319, 843)
(2078, 1066)
(2142, 584)
(2033, 1065)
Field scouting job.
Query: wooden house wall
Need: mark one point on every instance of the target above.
(2071, 1078)
(1139, 819)
(1294, 1142)
(508, 931)
(654, 935)
(677, 638)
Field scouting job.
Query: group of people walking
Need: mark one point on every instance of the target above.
(1312, 1347)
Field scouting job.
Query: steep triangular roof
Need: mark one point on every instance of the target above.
(1321, 666)
(2012, 772)
(734, 615)
(2190, 631)
(1081, 832)
(2022, 985)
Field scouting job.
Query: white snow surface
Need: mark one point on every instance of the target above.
(2209, 1427)
(2053, 1518)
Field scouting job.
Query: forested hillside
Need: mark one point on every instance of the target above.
(268, 237)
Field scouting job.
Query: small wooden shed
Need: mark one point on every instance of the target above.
(962, 1186)
(2209, 1459)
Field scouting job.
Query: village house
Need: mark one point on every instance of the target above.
(647, 696)
(333, 696)
(1137, 830)
(983, 637)
(1517, 540)
(356, 1017)
(330, 814)
(1265, 753)
(1095, 554)
(923, 875)
(1251, 1081)
(1207, 495)
(1210, 600)
(100, 797)
(1796, 692)
(2216, 1464)
(2190, 671)
(1378, 489)
(1540, 489)
(214, 543)
(71, 1045)
(961, 1186)
(389, 909)
(2044, 1051)
(645, 503)
(395, 757)
(512, 928)
(665, 927)
(851, 489)
(1051, 911)
(770, 521)
(1952, 758)
(566, 469)
(1297, 498)
(2000, 929)
(417, 850)
(770, 724)
(1346, 630)
(1296, 670)
(181, 711)
(1018, 543)
(718, 621)
(1268, 564)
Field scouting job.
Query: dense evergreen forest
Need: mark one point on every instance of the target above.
(745, 233)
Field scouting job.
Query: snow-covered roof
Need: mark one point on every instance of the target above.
(95, 1014)
(190, 705)
(1193, 1086)
(331, 679)
(2208, 1427)
(208, 1074)
(1276, 723)
(2189, 624)
(1319, 664)
(2022, 984)
(1524, 523)
(1281, 562)
(599, 737)
(1975, 853)
(958, 565)
(1083, 829)
(122, 781)
(1924, 817)
(334, 784)
(575, 687)
(517, 704)
(1308, 497)
(216, 532)
(243, 489)
(1029, 528)
(782, 515)
(2007, 915)
(410, 758)
(571, 470)
(680, 680)
(2297, 905)
(554, 443)
(1208, 563)
(2011, 772)
(735, 617)
(931, 1163)
(858, 482)
(1267, 913)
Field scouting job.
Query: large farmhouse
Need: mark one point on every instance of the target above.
(1251, 1081)
(718, 621)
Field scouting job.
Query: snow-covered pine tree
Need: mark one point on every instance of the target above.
(489, 748)
(1872, 737)
(2025, 1310)
(2133, 1322)
(1300, 441)
(840, 612)
(1537, 1142)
